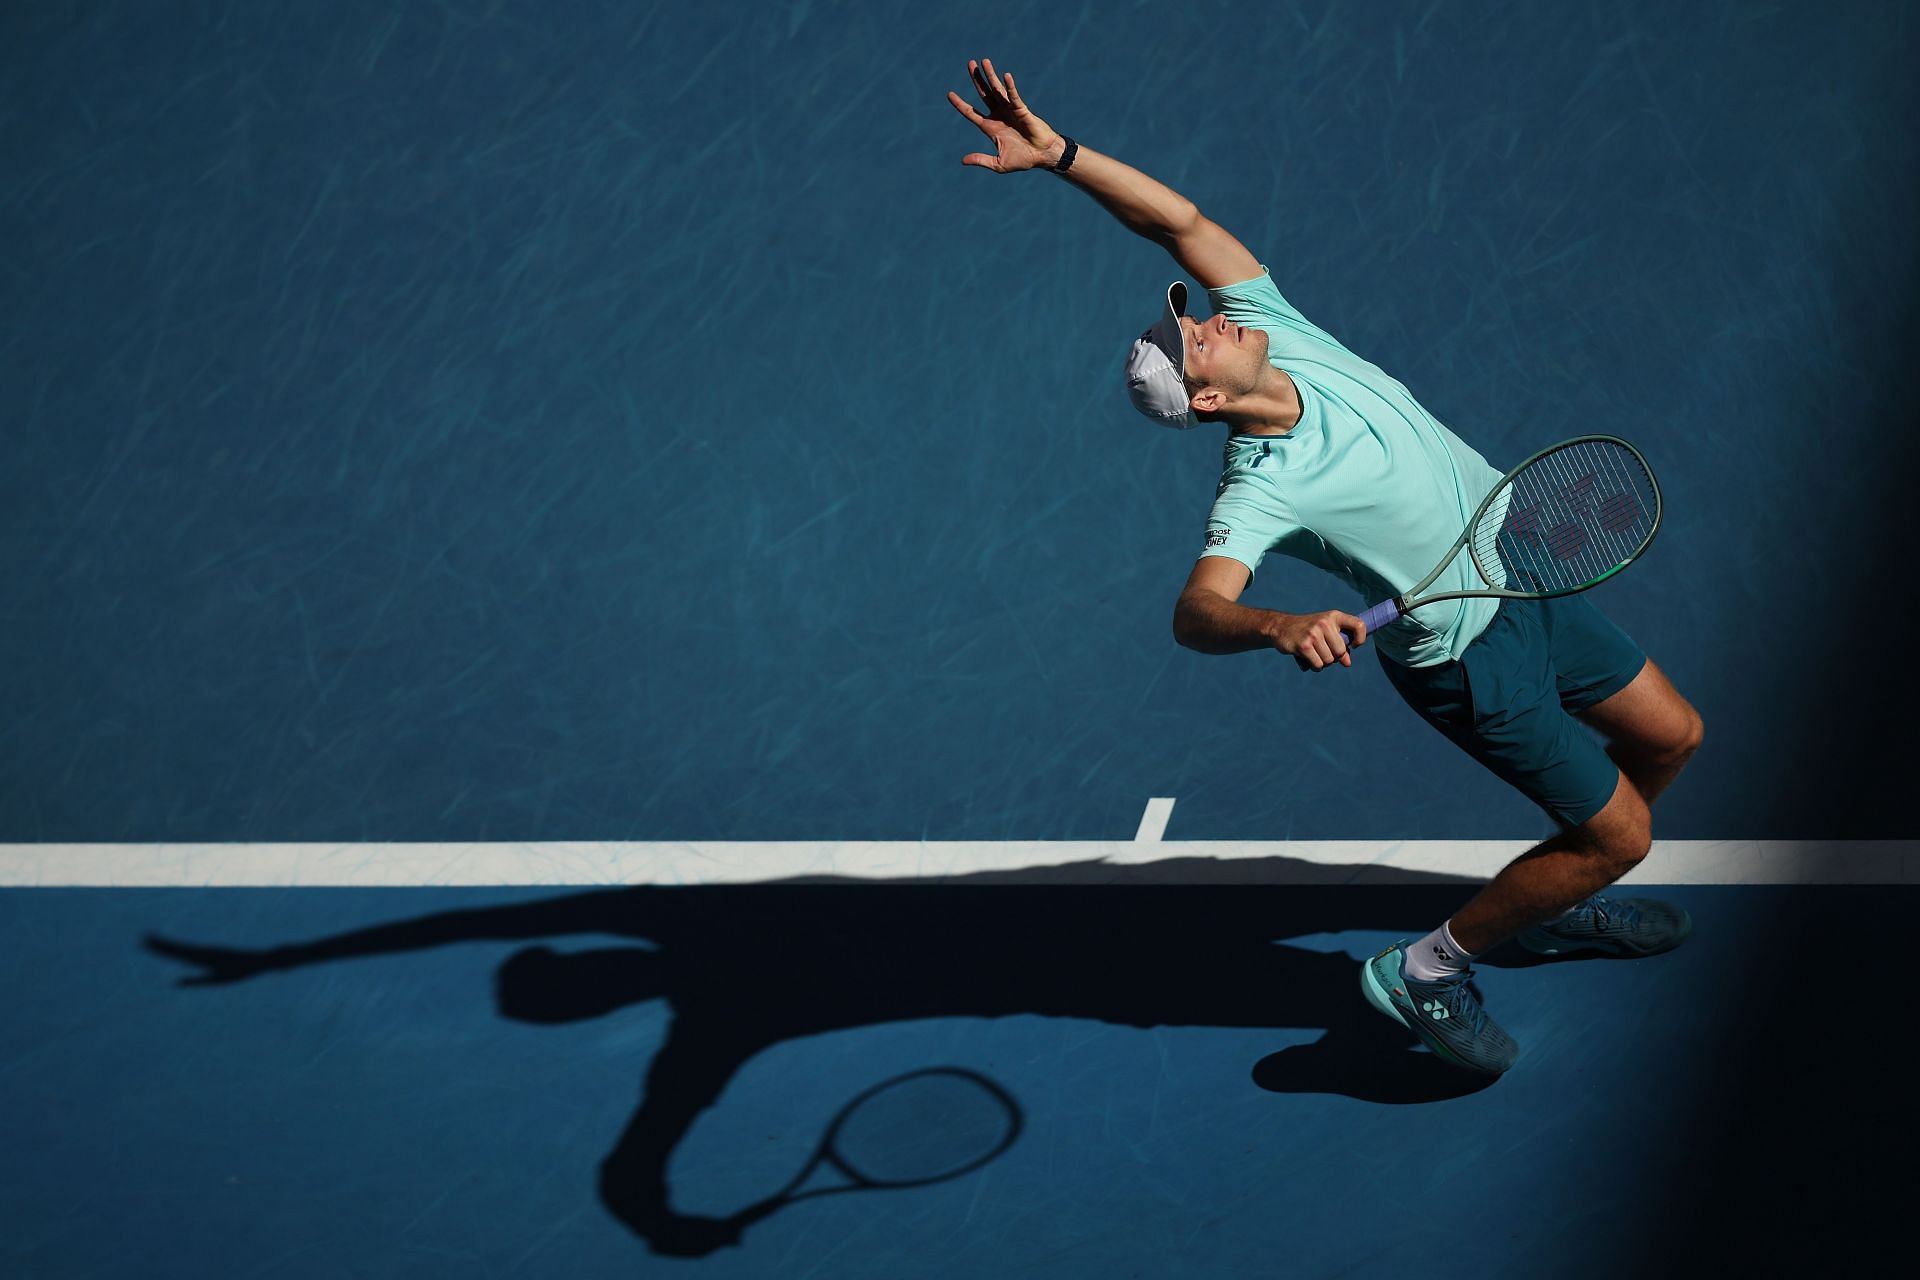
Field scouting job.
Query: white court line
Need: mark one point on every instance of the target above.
(1153, 823)
(606, 863)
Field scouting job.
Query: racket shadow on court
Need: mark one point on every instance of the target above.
(749, 966)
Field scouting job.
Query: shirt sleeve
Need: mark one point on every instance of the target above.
(1257, 303)
(1247, 521)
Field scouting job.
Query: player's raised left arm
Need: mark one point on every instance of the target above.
(1209, 252)
(1022, 141)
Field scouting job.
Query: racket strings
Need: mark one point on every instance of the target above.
(1568, 519)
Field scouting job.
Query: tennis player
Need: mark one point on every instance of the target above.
(1331, 461)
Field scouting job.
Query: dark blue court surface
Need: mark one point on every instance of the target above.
(523, 423)
(1201, 1090)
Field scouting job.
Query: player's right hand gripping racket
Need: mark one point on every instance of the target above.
(1568, 518)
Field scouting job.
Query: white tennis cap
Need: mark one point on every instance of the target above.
(1156, 363)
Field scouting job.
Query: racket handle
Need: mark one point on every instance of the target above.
(1379, 616)
(1382, 614)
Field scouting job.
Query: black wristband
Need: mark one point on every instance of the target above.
(1066, 158)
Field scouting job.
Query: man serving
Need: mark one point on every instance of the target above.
(1331, 461)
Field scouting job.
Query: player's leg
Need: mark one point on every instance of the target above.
(1651, 730)
(1558, 873)
(1502, 704)
(1607, 681)
(1424, 984)
(1609, 684)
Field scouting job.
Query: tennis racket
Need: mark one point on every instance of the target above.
(913, 1130)
(1566, 519)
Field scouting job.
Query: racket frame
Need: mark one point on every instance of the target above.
(1411, 599)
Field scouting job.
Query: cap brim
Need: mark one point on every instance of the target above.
(1166, 334)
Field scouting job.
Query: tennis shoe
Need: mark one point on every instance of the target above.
(1614, 926)
(1446, 1015)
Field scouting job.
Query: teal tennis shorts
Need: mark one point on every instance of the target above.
(1508, 700)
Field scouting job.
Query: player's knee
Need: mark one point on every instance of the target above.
(1696, 734)
(1632, 850)
(1627, 849)
(1686, 739)
(1621, 834)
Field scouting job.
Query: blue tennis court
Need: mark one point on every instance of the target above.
(578, 595)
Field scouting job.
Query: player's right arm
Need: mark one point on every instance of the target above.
(1208, 617)
(1022, 140)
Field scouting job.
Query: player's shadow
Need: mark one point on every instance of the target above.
(1511, 955)
(746, 967)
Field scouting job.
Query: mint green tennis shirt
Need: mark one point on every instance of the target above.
(1368, 486)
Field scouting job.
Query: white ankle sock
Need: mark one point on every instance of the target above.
(1436, 956)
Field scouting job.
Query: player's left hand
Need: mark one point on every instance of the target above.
(1023, 139)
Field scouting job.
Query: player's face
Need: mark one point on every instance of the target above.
(1222, 354)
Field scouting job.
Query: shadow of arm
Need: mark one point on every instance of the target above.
(688, 1074)
(622, 913)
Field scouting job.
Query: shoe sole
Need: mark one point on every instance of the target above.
(1377, 995)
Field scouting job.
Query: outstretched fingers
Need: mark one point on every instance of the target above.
(987, 92)
(965, 108)
(1020, 137)
(988, 82)
(979, 158)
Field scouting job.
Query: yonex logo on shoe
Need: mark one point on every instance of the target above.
(1433, 1010)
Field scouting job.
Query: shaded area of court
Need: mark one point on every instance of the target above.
(1204, 1092)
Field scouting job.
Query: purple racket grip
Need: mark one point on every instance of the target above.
(1382, 614)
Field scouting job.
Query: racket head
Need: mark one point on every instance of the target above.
(923, 1127)
(1566, 519)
